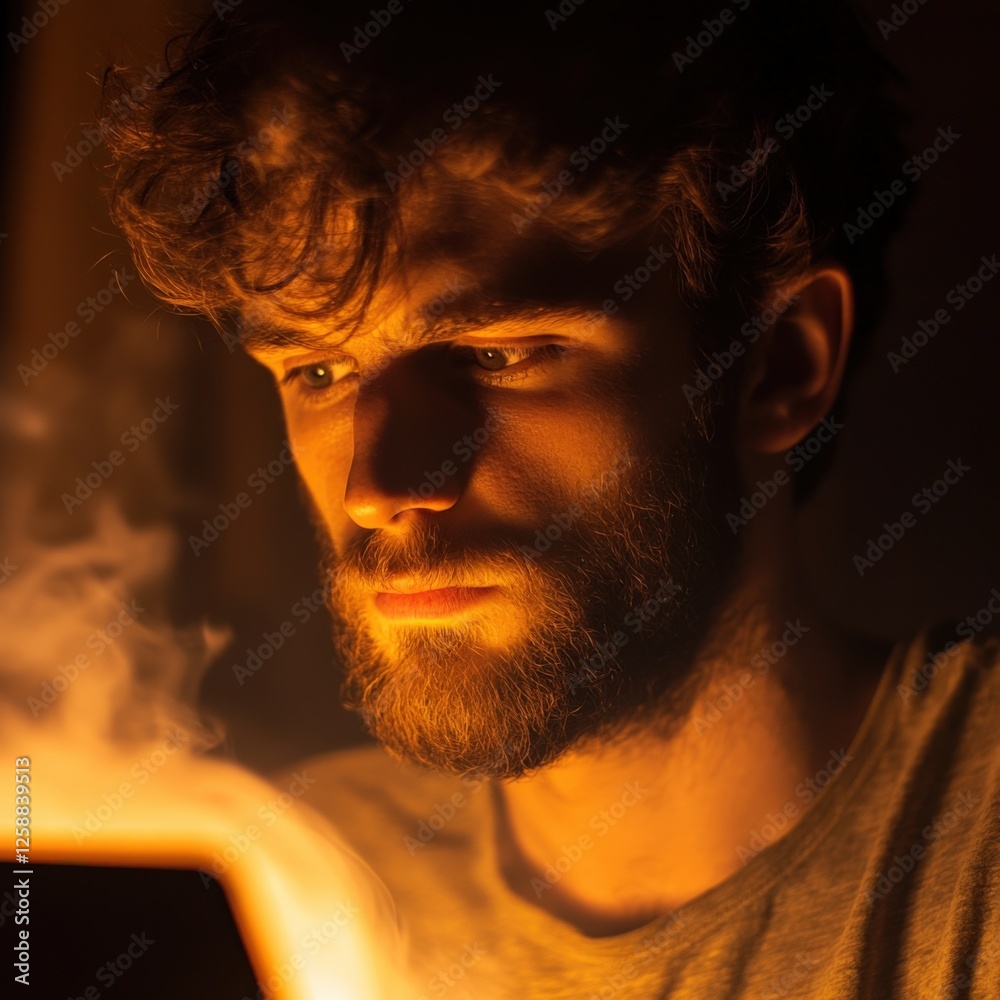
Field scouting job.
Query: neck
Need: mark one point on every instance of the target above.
(612, 837)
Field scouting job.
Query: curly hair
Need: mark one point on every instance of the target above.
(272, 160)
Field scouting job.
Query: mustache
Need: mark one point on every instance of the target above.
(380, 561)
(431, 554)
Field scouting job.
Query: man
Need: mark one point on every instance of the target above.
(560, 303)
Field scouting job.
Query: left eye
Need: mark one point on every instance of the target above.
(500, 360)
(490, 358)
(319, 377)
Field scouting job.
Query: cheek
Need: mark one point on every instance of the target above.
(322, 444)
(550, 452)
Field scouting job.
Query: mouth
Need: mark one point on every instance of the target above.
(441, 603)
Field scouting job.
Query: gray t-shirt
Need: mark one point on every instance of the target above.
(886, 886)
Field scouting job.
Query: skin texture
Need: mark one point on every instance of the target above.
(601, 431)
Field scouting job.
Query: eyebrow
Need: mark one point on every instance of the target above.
(468, 311)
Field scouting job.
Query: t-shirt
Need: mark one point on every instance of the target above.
(886, 886)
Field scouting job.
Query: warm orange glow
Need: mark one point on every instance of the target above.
(117, 778)
(315, 922)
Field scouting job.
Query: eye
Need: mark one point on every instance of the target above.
(315, 380)
(317, 376)
(503, 364)
(490, 358)
(322, 381)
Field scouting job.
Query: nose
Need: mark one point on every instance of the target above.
(404, 433)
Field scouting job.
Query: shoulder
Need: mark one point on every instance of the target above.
(949, 659)
(354, 766)
(950, 695)
(365, 773)
(371, 797)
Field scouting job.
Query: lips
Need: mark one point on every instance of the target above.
(439, 603)
(412, 583)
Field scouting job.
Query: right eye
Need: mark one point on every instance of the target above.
(316, 379)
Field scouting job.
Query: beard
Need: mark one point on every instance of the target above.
(593, 637)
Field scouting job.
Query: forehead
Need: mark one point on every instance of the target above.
(506, 281)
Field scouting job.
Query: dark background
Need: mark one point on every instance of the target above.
(901, 429)
(177, 924)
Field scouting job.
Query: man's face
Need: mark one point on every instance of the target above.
(521, 518)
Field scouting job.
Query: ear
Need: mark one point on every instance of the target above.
(801, 360)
